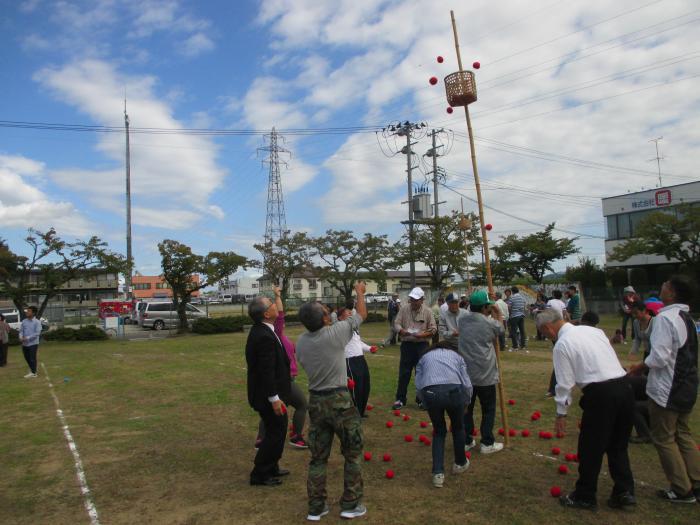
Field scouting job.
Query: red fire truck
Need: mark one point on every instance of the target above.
(116, 308)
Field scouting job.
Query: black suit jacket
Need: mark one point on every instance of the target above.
(268, 367)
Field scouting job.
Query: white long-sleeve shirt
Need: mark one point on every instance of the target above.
(582, 355)
(667, 336)
(355, 347)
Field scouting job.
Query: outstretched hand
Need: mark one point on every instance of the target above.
(360, 287)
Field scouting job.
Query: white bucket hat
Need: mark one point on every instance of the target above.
(417, 293)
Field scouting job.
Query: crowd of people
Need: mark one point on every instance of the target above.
(451, 348)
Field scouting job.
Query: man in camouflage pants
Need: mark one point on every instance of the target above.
(321, 352)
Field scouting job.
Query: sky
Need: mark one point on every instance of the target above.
(562, 84)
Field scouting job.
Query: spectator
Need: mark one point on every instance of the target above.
(573, 305)
(437, 310)
(4, 340)
(590, 318)
(517, 319)
(449, 320)
(538, 306)
(29, 333)
(444, 386)
(642, 327)
(559, 305)
(392, 310)
(505, 314)
(629, 296)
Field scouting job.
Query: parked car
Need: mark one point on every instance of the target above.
(162, 314)
(12, 318)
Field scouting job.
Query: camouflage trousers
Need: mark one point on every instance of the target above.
(329, 415)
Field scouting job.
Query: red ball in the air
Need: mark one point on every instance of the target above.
(408, 438)
(556, 451)
(476, 65)
(525, 433)
(510, 401)
(440, 60)
(555, 492)
(563, 469)
(449, 109)
(389, 424)
(433, 81)
(489, 227)
(386, 457)
(368, 456)
(424, 424)
(389, 474)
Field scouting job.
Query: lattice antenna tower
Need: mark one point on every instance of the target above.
(276, 222)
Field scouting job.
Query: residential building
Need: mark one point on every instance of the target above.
(154, 286)
(240, 286)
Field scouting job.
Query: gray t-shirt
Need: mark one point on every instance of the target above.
(322, 353)
(476, 335)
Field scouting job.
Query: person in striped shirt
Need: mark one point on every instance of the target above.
(517, 306)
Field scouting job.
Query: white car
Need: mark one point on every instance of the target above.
(377, 298)
(12, 318)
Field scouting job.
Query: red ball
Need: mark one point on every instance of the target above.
(422, 438)
(423, 424)
(389, 424)
(408, 438)
(510, 401)
(426, 442)
(538, 413)
(386, 457)
(370, 407)
(468, 455)
(373, 349)
(449, 109)
(570, 457)
(389, 474)
(555, 492)
(475, 432)
(512, 432)
(406, 417)
(397, 412)
(368, 456)
(560, 435)
(433, 81)
(476, 65)
(440, 60)
(501, 432)
(563, 469)
(525, 433)
(351, 383)
(284, 408)
(489, 227)
(556, 451)
(576, 458)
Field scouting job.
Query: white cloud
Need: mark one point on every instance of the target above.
(196, 45)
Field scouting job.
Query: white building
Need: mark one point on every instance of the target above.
(240, 286)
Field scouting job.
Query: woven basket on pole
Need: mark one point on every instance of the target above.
(460, 88)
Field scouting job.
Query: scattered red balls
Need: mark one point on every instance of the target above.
(433, 81)
(511, 402)
(449, 109)
(489, 227)
(545, 435)
(408, 438)
(427, 442)
(368, 456)
(389, 474)
(570, 457)
(525, 433)
(422, 438)
(397, 412)
(351, 384)
(424, 424)
(560, 435)
(389, 424)
(468, 455)
(556, 451)
(476, 65)
(535, 416)
(440, 60)
(369, 407)
(512, 432)
(406, 417)
(386, 457)
(501, 432)
(563, 469)
(555, 492)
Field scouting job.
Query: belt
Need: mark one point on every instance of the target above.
(606, 382)
(329, 392)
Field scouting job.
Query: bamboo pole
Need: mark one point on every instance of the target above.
(484, 239)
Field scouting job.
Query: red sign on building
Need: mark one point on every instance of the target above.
(663, 198)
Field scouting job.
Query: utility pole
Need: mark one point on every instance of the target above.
(658, 158)
(129, 259)
(433, 152)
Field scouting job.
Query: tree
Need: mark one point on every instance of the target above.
(674, 236)
(441, 246)
(588, 273)
(289, 255)
(347, 258)
(180, 264)
(535, 253)
(51, 263)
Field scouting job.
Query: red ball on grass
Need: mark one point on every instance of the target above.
(476, 64)
(424, 424)
(440, 60)
(511, 402)
(449, 109)
(397, 412)
(501, 432)
(422, 438)
(368, 456)
(475, 432)
(556, 451)
(534, 416)
(351, 384)
(408, 438)
(389, 424)
(560, 435)
(369, 407)
(433, 81)
(406, 417)
(555, 492)
(389, 474)
(427, 442)
(489, 227)
(386, 457)
(512, 432)
(468, 455)
(525, 433)
(563, 469)
(570, 457)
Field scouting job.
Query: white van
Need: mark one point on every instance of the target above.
(162, 314)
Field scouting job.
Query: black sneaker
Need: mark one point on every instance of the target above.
(622, 501)
(398, 405)
(570, 501)
(670, 495)
(297, 441)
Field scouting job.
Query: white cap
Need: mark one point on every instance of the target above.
(417, 293)
(629, 289)
(398, 300)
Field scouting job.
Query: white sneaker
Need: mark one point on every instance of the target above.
(458, 469)
(359, 510)
(317, 517)
(490, 449)
(438, 480)
(30, 375)
(470, 446)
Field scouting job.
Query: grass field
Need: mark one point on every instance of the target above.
(166, 436)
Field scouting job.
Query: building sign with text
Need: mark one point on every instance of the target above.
(661, 198)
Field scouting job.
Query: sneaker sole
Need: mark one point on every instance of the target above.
(314, 517)
(353, 515)
(490, 451)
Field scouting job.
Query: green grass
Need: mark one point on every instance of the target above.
(165, 435)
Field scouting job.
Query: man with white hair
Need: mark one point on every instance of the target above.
(583, 357)
(416, 326)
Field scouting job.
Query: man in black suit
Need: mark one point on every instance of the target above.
(268, 385)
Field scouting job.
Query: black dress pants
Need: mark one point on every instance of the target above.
(270, 450)
(606, 425)
(30, 356)
(359, 372)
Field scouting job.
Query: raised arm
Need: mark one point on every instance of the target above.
(278, 298)
(360, 305)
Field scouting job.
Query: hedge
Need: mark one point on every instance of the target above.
(220, 325)
(85, 333)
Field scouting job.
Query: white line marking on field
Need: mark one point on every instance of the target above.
(82, 480)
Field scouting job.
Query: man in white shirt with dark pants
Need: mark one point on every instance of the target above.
(583, 357)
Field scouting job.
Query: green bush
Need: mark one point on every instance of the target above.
(86, 333)
(220, 325)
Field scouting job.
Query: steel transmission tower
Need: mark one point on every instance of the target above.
(276, 223)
